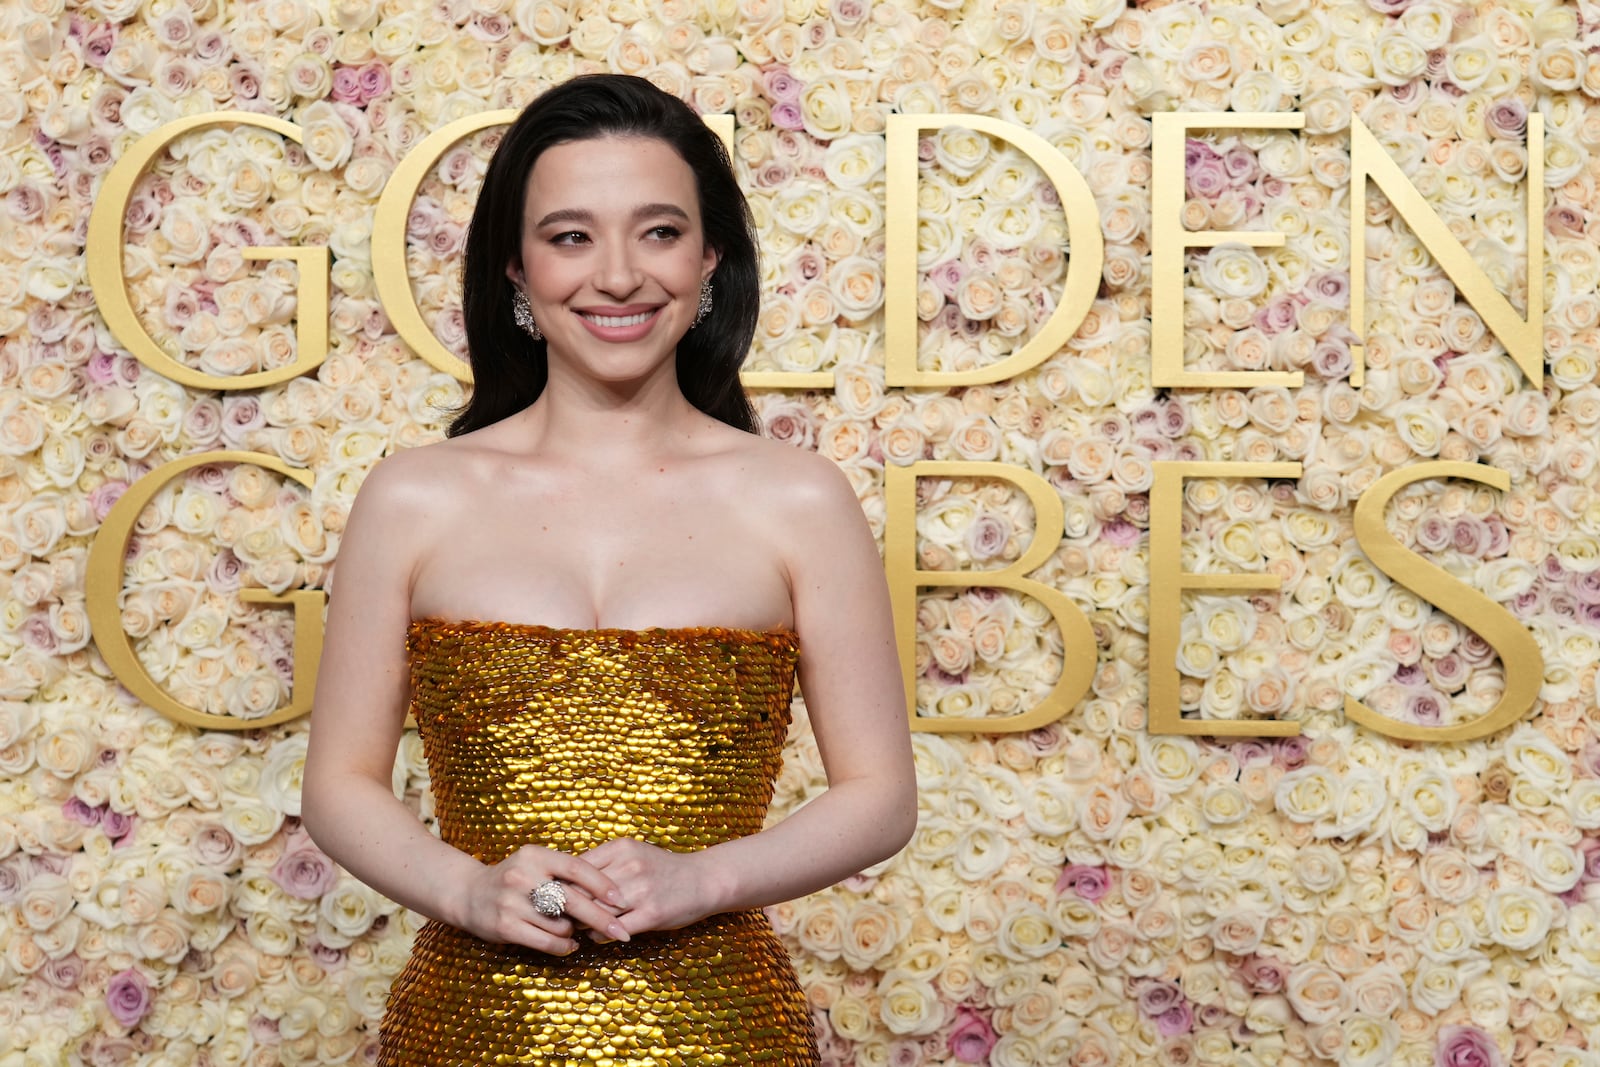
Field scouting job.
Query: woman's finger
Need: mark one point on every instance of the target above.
(587, 911)
(586, 875)
(559, 926)
(541, 940)
(584, 910)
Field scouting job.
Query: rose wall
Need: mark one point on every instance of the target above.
(1085, 893)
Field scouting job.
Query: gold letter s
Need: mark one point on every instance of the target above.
(1518, 651)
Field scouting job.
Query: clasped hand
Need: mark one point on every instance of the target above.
(618, 889)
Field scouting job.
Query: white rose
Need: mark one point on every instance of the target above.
(1583, 803)
(1368, 1041)
(854, 160)
(1531, 755)
(1318, 993)
(325, 136)
(250, 821)
(1234, 271)
(825, 108)
(1429, 798)
(1306, 794)
(1551, 864)
(1519, 917)
(1027, 934)
(349, 909)
(1488, 1002)
(282, 774)
(1437, 986)
(1174, 762)
(909, 1006)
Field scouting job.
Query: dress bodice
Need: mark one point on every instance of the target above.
(567, 738)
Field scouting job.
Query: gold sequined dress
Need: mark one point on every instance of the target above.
(568, 738)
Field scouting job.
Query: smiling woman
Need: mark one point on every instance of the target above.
(615, 284)
(593, 597)
(620, 132)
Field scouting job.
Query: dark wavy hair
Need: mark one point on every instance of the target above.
(509, 368)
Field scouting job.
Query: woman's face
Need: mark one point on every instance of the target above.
(612, 254)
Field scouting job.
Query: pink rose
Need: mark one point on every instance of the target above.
(987, 536)
(374, 80)
(1263, 974)
(1120, 532)
(1426, 707)
(1565, 220)
(329, 959)
(780, 86)
(906, 1053)
(946, 277)
(789, 421)
(118, 827)
(1239, 163)
(64, 973)
(1331, 359)
(241, 415)
(786, 116)
(265, 1030)
(1466, 1046)
(1469, 535)
(1507, 118)
(1278, 316)
(81, 813)
(1290, 753)
(1590, 851)
(98, 40)
(1332, 287)
(1203, 171)
(304, 871)
(346, 85)
(215, 846)
(128, 997)
(12, 879)
(1178, 1019)
(1089, 883)
(1157, 997)
(36, 633)
(101, 368)
(972, 1037)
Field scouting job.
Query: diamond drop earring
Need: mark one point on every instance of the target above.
(705, 303)
(522, 311)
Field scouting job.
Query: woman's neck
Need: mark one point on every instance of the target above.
(599, 421)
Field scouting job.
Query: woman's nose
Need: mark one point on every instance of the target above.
(617, 270)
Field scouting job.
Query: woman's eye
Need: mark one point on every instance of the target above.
(666, 233)
(570, 237)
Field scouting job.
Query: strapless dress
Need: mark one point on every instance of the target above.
(568, 738)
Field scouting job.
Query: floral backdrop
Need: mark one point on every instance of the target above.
(1085, 893)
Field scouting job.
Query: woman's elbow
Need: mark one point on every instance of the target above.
(316, 801)
(907, 826)
(311, 813)
(901, 821)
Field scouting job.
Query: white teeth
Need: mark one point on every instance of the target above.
(617, 320)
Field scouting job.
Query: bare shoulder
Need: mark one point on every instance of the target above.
(802, 502)
(795, 485)
(407, 498)
(406, 478)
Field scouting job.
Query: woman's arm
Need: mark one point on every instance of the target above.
(850, 676)
(348, 804)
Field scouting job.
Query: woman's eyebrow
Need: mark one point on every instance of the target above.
(578, 214)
